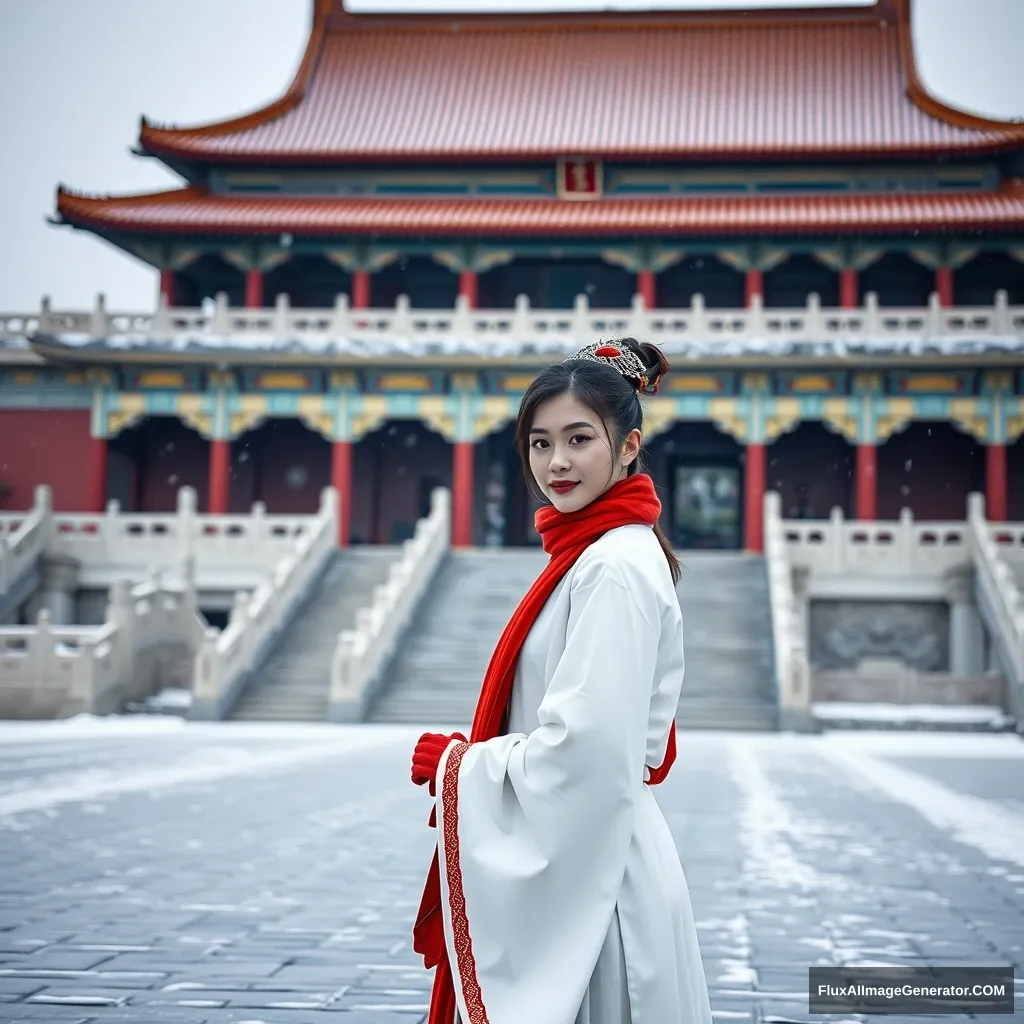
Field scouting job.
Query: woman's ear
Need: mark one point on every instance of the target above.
(631, 447)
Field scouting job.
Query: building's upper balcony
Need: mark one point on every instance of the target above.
(522, 333)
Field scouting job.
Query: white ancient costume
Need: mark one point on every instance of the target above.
(563, 897)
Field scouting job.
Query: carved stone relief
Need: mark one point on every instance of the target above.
(845, 633)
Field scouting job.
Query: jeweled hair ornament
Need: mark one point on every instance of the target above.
(625, 361)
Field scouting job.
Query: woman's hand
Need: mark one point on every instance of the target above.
(427, 756)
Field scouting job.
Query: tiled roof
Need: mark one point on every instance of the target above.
(194, 211)
(672, 86)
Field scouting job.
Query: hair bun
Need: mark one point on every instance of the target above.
(640, 363)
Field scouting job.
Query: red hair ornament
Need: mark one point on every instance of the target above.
(626, 362)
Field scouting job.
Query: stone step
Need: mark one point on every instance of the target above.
(294, 684)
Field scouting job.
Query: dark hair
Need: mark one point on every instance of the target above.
(613, 397)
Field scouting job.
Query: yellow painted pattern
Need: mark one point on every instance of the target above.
(516, 382)
(313, 411)
(23, 377)
(964, 412)
(785, 415)
(932, 383)
(253, 408)
(433, 410)
(343, 381)
(130, 408)
(812, 382)
(1015, 420)
(839, 415)
(495, 412)
(659, 416)
(162, 379)
(403, 382)
(725, 414)
(694, 382)
(190, 409)
(900, 411)
(282, 382)
(373, 411)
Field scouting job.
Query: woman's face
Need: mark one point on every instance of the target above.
(571, 455)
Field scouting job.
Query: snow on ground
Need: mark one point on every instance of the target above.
(993, 828)
(901, 714)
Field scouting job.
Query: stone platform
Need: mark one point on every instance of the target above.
(156, 871)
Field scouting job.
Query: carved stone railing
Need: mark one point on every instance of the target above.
(905, 547)
(229, 550)
(999, 597)
(52, 672)
(23, 541)
(504, 332)
(362, 654)
(227, 657)
(789, 633)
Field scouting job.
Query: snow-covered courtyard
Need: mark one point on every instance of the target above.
(152, 870)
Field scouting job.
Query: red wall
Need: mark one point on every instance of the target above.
(387, 473)
(283, 464)
(1015, 481)
(45, 446)
(812, 469)
(930, 468)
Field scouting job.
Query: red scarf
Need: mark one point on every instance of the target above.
(565, 537)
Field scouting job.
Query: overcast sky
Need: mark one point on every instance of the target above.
(75, 76)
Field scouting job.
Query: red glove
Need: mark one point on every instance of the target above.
(427, 756)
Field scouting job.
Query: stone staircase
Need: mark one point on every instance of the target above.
(295, 682)
(435, 678)
(728, 642)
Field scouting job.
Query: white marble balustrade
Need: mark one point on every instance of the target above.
(525, 330)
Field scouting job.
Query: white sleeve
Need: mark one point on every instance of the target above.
(534, 829)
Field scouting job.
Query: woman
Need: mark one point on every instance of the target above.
(556, 895)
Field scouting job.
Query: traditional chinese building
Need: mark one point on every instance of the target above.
(357, 281)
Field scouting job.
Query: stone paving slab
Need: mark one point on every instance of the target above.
(283, 889)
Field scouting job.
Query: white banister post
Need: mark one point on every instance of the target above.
(581, 319)
(905, 539)
(755, 318)
(402, 323)
(462, 321)
(639, 319)
(521, 319)
(933, 323)
(1002, 314)
(160, 321)
(42, 501)
(186, 524)
(699, 324)
(837, 538)
(45, 315)
(976, 506)
(813, 322)
(872, 321)
(341, 321)
(219, 324)
(282, 315)
(99, 323)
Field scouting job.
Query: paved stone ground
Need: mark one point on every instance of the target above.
(262, 874)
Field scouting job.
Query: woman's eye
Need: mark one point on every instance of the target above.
(581, 437)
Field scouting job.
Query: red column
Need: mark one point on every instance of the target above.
(220, 468)
(848, 288)
(754, 285)
(468, 287)
(944, 286)
(97, 474)
(167, 289)
(995, 483)
(462, 494)
(866, 486)
(254, 289)
(361, 289)
(755, 477)
(645, 286)
(341, 481)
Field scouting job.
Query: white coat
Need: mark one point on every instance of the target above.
(563, 897)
